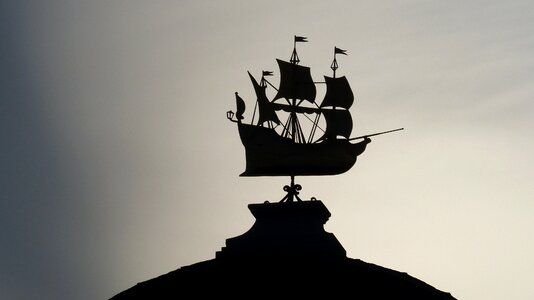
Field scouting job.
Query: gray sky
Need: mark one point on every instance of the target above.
(118, 164)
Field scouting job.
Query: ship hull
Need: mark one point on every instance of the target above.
(269, 154)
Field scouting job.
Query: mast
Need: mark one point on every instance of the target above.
(334, 65)
(295, 86)
(266, 111)
(294, 56)
(336, 103)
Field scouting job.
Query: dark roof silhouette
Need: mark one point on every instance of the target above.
(286, 253)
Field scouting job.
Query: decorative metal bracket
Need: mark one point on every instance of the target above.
(292, 191)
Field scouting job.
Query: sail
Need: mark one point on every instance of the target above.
(265, 110)
(240, 104)
(295, 82)
(338, 122)
(338, 93)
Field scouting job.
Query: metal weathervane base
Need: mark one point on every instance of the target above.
(292, 191)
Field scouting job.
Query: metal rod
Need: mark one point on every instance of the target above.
(374, 134)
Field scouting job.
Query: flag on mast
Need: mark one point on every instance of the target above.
(300, 38)
(339, 51)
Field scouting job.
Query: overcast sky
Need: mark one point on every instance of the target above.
(118, 164)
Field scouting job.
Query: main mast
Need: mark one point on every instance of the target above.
(292, 127)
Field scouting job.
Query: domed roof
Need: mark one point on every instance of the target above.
(285, 253)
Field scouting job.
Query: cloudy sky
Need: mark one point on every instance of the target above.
(118, 164)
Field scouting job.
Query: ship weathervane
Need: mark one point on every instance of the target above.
(276, 148)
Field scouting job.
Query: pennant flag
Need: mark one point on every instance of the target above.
(300, 38)
(267, 73)
(339, 51)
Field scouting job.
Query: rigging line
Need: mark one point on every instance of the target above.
(285, 131)
(300, 133)
(270, 84)
(293, 124)
(254, 113)
(288, 102)
(315, 125)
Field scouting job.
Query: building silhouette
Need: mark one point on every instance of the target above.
(285, 254)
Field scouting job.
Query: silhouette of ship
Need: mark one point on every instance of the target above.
(273, 148)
